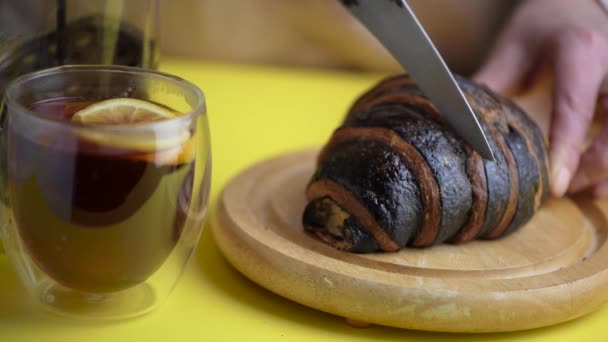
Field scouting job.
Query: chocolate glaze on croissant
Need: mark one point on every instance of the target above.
(396, 175)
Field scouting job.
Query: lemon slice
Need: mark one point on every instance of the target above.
(180, 154)
(128, 111)
(122, 111)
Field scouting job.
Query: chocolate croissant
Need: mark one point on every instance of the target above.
(394, 174)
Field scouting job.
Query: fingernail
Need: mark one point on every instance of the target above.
(561, 178)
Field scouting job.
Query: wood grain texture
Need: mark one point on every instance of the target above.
(552, 270)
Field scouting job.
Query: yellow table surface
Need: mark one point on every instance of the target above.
(254, 113)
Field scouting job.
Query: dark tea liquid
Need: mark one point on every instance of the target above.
(96, 217)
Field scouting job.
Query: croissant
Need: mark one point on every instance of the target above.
(394, 174)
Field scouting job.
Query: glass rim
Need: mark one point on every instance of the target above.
(197, 110)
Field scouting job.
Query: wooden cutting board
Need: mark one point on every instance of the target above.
(553, 269)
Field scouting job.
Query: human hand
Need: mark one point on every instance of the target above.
(572, 38)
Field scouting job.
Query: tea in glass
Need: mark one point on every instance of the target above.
(106, 193)
(106, 215)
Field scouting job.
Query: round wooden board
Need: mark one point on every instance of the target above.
(552, 270)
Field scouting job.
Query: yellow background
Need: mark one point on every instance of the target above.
(255, 113)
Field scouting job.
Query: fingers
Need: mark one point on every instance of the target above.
(578, 69)
(593, 165)
(600, 190)
(507, 65)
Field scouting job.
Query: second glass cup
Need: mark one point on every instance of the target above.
(102, 202)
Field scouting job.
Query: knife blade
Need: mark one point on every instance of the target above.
(395, 25)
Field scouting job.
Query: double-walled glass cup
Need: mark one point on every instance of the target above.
(99, 220)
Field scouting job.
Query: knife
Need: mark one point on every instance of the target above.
(397, 28)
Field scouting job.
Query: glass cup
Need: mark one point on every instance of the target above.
(100, 220)
(40, 34)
